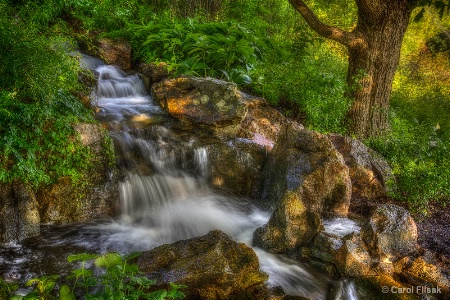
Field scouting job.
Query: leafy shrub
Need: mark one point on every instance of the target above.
(119, 279)
(219, 49)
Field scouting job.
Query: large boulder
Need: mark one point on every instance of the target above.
(212, 267)
(370, 173)
(390, 233)
(307, 163)
(204, 101)
(18, 211)
(290, 227)
(65, 202)
(307, 180)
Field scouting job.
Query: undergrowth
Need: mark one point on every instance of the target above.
(115, 277)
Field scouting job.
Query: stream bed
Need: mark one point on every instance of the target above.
(164, 198)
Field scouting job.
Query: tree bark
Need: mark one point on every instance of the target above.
(374, 51)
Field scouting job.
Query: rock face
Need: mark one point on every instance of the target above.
(115, 52)
(309, 179)
(390, 233)
(212, 266)
(18, 211)
(236, 166)
(64, 202)
(291, 226)
(370, 173)
(205, 101)
(241, 129)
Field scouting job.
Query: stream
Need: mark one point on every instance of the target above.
(164, 198)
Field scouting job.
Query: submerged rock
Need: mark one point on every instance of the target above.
(18, 211)
(212, 267)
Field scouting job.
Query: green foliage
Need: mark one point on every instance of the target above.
(7, 289)
(312, 81)
(119, 279)
(38, 143)
(219, 49)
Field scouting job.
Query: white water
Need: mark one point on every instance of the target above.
(169, 203)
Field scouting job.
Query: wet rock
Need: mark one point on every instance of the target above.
(18, 211)
(353, 259)
(236, 166)
(348, 253)
(262, 125)
(212, 267)
(390, 233)
(309, 180)
(65, 202)
(203, 101)
(290, 227)
(156, 72)
(307, 163)
(115, 52)
(370, 173)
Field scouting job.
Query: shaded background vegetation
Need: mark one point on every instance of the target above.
(264, 46)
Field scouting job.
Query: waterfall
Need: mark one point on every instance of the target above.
(164, 198)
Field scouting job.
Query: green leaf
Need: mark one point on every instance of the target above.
(131, 256)
(109, 260)
(65, 293)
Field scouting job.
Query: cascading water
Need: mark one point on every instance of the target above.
(164, 197)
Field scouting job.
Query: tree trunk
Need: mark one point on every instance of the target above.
(373, 62)
(374, 51)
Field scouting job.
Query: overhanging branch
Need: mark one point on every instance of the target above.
(330, 32)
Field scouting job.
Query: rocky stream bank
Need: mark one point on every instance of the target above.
(325, 194)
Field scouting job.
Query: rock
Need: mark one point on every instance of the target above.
(18, 211)
(290, 227)
(203, 101)
(390, 233)
(212, 267)
(262, 125)
(307, 163)
(347, 253)
(64, 202)
(421, 272)
(156, 72)
(115, 52)
(236, 166)
(370, 173)
(309, 179)
(353, 259)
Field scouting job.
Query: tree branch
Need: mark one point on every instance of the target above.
(330, 32)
